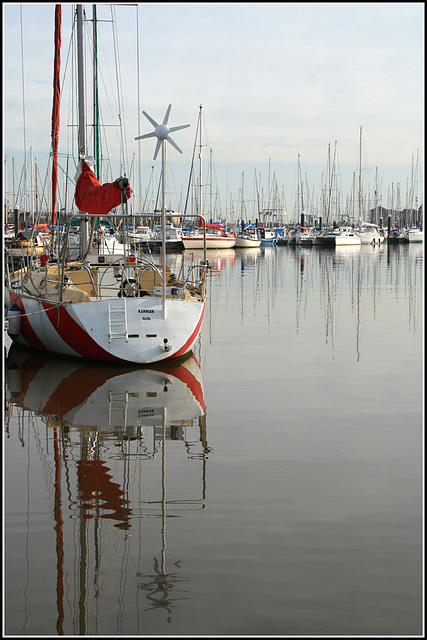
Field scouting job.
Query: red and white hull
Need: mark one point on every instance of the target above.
(123, 329)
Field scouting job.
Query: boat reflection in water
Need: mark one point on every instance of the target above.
(218, 259)
(106, 425)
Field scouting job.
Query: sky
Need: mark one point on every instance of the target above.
(279, 83)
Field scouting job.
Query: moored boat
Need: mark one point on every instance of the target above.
(304, 237)
(415, 235)
(268, 237)
(216, 238)
(117, 308)
(247, 240)
(339, 237)
(370, 234)
(394, 235)
(346, 236)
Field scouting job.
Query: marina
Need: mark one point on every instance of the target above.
(213, 383)
(271, 485)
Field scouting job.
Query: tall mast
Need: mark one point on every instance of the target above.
(56, 106)
(84, 234)
(81, 82)
(210, 186)
(200, 160)
(360, 175)
(96, 152)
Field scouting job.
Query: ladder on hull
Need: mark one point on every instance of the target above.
(118, 409)
(117, 319)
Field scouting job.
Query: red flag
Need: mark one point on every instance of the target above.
(95, 198)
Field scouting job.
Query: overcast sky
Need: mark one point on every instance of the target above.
(275, 80)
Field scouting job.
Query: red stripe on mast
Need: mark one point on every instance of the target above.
(55, 106)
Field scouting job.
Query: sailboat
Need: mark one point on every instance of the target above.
(369, 233)
(247, 237)
(206, 236)
(215, 238)
(303, 236)
(415, 235)
(120, 308)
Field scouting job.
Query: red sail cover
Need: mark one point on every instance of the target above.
(95, 198)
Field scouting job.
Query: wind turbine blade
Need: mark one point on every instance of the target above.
(173, 144)
(146, 135)
(183, 126)
(158, 145)
(166, 118)
(153, 122)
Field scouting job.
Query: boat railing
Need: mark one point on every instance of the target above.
(196, 277)
(132, 277)
(125, 281)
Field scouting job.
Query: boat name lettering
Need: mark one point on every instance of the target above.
(145, 310)
(143, 413)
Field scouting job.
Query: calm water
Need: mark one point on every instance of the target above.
(271, 486)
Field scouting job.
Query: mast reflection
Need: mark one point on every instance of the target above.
(106, 422)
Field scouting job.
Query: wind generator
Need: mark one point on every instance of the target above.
(162, 133)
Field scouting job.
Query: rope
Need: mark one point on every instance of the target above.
(32, 313)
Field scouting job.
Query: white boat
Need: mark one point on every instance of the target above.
(341, 237)
(117, 309)
(268, 237)
(370, 234)
(140, 234)
(248, 237)
(212, 235)
(216, 238)
(247, 240)
(115, 312)
(415, 235)
(345, 237)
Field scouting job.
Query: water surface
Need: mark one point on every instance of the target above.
(271, 485)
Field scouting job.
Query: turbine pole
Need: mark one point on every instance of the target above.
(164, 227)
(161, 132)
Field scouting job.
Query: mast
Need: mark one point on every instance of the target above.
(242, 208)
(84, 239)
(33, 220)
(6, 212)
(200, 160)
(81, 83)
(56, 106)
(360, 176)
(211, 183)
(96, 150)
(164, 228)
